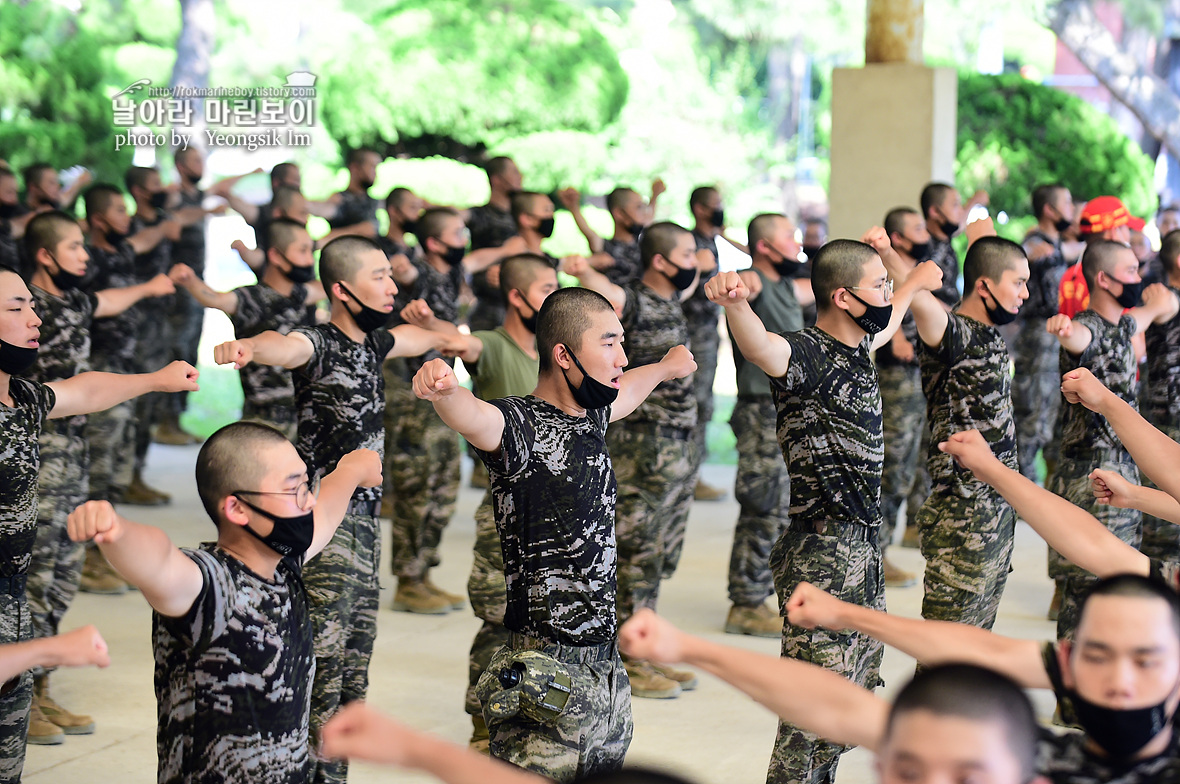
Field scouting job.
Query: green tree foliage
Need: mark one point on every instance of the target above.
(454, 77)
(1015, 134)
(52, 103)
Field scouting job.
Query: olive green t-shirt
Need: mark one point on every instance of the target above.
(503, 369)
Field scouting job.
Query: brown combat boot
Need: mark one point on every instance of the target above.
(760, 621)
(99, 577)
(706, 492)
(456, 601)
(895, 576)
(42, 731)
(70, 723)
(646, 682)
(413, 596)
(685, 678)
(138, 493)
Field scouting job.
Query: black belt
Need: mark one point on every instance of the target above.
(363, 508)
(15, 585)
(844, 530)
(564, 652)
(662, 431)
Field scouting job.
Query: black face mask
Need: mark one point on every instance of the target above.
(411, 226)
(366, 183)
(875, 318)
(785, 267)
(368, 319)
(999, 315)
(592, 393)
(115, 237)
(15, 360)
(634, 229)
(192, 179)
(53, 204)
(950, 229)
(811, 251)
(8, 211)
(683, 277)
(1062, 224)
(717, 218)
(65, 280)
(1131, 295)
(298, 274)
(158, 200)
(530, 321)
(919, 251)
(290, 537)
(452, 255)
(546, 227)
(1120, 733)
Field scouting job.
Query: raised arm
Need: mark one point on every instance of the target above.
(1073, 337)
(248, 211)
(930, 642)
(572, 201)
(93, 391)
(637, 384)
(1111, 488)
(144, 556)
(480, 423)
(1068, 529)
(1159, 307)
(767, 350)
(803, 694)
(359, 468)
(267, 348)
(225, 301)
(1154, 453)
(924, 277)
(253, 258)
(112, 302)
(594, 280)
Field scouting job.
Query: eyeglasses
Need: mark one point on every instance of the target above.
(885, 289)
(304, 493)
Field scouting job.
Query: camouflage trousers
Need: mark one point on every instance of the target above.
(16, 696)
(590, 736)
(704, 339)
(422, 455)
(903, 477)
(1071, 481)
(56, 565)
(489, 599)
(280, 417)
(656, 477)
(1036, 393)
(966, 535)
(342, 588)
(1161, 538)
(112, 435)
(763, 490)
(845, 561)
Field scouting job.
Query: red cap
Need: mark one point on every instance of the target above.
(1135, 223)
(1103, 213)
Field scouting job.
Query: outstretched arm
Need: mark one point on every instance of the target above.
(267, 348)
(637, 384)
(1154, 453)
(86, 393)
(923, 278)
(143, 555)
(803, 694)
(1074, 338)
(1159, 307)
(413, 341)
(359, 468)
(360, 732)
(225, 301)
(112, 302)
(480, 423)
(1068, 529)
(595, 281)
(767, 350)
(79, 648)
(1111, 488)
(930, 642)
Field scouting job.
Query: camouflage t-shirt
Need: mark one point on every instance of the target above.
(1066, 758)
(829, 428)
(628, 266)
(653, 325)
(114, 341)
(440, 290)
(490, 226)
(340, 399)
(65, 342)
(698, 308)
(261, 308)
(20, 460)
(233, 677)
(967, 380)
(942, 252)
(1161, 398)
(553, 497)
(1044, 282)
(190, 248)
(10, 248)
(1111, 358)
(354, 208)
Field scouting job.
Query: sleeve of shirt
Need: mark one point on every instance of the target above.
(516, 444)
(210, 615)
(954, 341)
(1128, 326)
(381, 342)
(1052, 668)
(42, 399)
(248, 313)
(627, 318)
(480, 367)
(314, 366)
(801, 368)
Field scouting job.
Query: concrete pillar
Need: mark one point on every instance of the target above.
(894, 31)
(893, 131)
